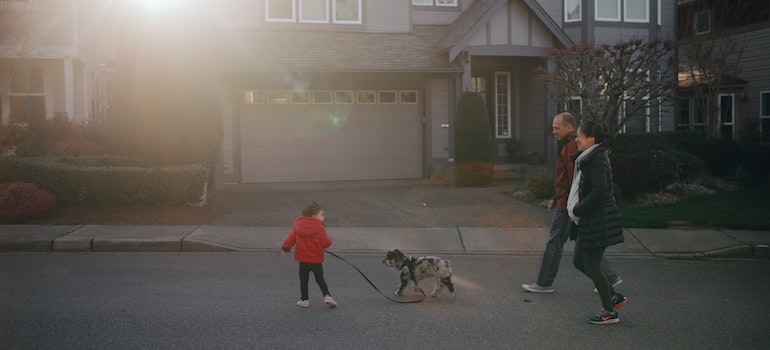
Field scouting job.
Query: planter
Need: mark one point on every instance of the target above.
(534, 158)
(475, 174)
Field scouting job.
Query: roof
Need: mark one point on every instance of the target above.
(476, 17)
(687, 81)
(267, 50)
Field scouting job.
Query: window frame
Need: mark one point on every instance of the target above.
(331, 18)
(646, 12)
(579, 18)
(435, 3)
(360, 13)
(722, 122)
(602, 19)
(764, 115)
(696, 21)
(326, 12)
(508, 127)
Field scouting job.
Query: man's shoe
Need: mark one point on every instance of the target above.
(536, 288)
(618, 300)
(303, 303)
(329, 301)
(605, 317)
(613, 284)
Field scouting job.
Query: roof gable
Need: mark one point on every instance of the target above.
(479, 14)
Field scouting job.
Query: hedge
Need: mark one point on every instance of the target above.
(84, 181)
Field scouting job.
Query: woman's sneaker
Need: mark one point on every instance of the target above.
(605, 317)
(618, 300)
(329, 301)
(536, 288)
(303, 303)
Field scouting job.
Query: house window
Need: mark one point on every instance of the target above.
(636, 11)
(637, 123)
(726, 115)
(27, 94)
(574, 105)
(699, 115)
(444, 3)
(503, 104)
(313, 11)
(683, 121)
(572, 10)
(764, 115)
(479, 84)
(702, 22)
(608, 10)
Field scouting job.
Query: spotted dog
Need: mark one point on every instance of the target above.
(417, 269)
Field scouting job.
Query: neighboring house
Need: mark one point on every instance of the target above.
(742, 94)
(53, 60)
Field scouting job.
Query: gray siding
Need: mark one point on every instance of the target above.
(533, 121)
(387, 16)
(554, 8)
(754, 69)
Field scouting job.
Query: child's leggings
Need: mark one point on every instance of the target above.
(304, 277)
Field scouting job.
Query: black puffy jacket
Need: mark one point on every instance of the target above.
(600, 224)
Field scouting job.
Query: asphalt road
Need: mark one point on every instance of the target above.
(246, 301)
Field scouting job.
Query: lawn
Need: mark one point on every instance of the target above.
(741, 209)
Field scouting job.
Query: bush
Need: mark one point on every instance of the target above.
(631, 172)
(474, 142)
(541, 185)
(112, 185)
(21, 202)
(689, 166)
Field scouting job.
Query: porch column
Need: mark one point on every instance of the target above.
(69, 87)
(466, 61)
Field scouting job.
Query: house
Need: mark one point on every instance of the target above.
(319, 90)
(367, 89)
(725, 89)
(54, 60)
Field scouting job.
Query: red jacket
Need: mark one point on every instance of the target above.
(310, 237)
(564, 171)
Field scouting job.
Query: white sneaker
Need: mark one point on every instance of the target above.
(614, 284)
(536, 288)
(303, 303)
(329, 301)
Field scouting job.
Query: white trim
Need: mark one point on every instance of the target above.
(607, 19)
(325, 9)
(508, 130)
(566, 9)
(646, 18)
(360, 14)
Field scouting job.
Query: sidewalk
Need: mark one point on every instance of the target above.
(416, 216)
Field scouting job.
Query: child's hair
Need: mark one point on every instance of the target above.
(311, 209)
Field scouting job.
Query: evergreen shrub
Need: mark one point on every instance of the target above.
(474, 145)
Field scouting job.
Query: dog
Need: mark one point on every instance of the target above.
(417, 269)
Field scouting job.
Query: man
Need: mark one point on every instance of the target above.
(564, 126)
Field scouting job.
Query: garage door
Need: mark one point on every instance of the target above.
(294, 142)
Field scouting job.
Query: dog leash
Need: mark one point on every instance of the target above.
(375, 287)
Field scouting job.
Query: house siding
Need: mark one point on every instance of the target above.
(755, 70)
(387, 16)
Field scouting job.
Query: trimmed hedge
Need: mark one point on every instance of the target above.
(84, 181)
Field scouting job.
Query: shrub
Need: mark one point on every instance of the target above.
(721, 156)
(631, 172)
(21, 202)
(474, 142)
(689, 166)
(541, 185)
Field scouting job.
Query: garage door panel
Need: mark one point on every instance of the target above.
(330, 142)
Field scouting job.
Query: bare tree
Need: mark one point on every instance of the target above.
(613, 82)
(710, 58)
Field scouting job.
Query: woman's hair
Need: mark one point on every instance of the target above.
(311, 209)
(593, 129)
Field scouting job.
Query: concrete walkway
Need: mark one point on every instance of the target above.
(416, 216)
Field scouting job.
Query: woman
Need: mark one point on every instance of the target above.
(591, 206)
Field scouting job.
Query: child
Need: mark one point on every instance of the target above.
(310, 237)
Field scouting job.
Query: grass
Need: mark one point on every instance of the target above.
(741, 209)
